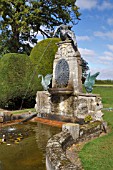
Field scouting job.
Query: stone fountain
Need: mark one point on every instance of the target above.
(66, 98)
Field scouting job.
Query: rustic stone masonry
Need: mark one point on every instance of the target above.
(66, 97)
(55, 152)
(71, 133)
(79, 105)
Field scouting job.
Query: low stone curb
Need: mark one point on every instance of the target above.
(55, 152)
(71, 133)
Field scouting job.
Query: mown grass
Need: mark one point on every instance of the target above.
(98, 154)
(106, 93)
(23, 111)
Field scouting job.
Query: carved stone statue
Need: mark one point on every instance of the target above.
(90, 81)
(66, 33)
(46, 81)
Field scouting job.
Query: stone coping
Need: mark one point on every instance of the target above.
(56, 158)
(55, 152)
(60, 91)
(88, 95)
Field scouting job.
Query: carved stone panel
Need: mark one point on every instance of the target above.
(62, 73)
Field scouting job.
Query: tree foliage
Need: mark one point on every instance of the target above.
(21, 21)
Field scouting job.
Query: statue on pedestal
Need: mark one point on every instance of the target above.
(66, 33)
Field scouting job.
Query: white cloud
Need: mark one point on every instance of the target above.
(110, 21)
(107, 58)
(108, 34)
(87, 52)
(86, 4)
(105, 5)
(110, 47)
(105, 73)
(107, 53)
(96, 63)
(89, 4)
(83, 38)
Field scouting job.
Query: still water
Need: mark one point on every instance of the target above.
(25, 147)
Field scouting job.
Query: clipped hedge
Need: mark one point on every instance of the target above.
(42, 55)
(19, 74)
(15, 72)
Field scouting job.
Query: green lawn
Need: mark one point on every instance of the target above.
(98, 154)
(23, 111)
(106, 93)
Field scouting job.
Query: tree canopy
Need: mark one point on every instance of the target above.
(21, 21)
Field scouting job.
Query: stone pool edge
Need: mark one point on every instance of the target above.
(56, 158)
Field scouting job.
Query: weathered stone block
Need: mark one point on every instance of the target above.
(43, 104)
(73, 129)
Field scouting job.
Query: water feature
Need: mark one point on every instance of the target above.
(25, 146)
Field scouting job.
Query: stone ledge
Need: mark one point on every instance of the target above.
(55, 152)
(56, 158)
(88, 94)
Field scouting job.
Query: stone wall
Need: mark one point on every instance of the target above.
(43, 102)
(71, 133)
(55, 152)
(79, 105)
(88, 104)
(8, 116)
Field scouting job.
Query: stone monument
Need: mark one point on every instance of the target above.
(66, 97)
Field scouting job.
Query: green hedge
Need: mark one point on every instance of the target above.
(19, 74)
(15, 72)
(42, 55)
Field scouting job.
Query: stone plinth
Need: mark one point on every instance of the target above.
(73, 129)
(80, 105)
(89, 104)
(72, 65)
(43, 103)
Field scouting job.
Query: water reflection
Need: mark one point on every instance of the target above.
(29, 152)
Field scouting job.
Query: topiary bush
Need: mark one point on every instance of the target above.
(15, 72)
(19, 80)
(42, 56)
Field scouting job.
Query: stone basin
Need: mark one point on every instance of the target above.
(60, 91)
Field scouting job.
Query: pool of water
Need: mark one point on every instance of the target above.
(25, 146)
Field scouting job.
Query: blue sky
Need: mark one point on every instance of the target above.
(94, 34)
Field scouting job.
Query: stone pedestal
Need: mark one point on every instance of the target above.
(72, 64)
(43, 102)
(81, 105)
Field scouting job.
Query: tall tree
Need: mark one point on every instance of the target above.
(21, 21)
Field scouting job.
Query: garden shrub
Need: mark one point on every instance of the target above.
(15, 72)
(19, 80)
(42, 56)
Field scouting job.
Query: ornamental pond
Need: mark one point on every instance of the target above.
(25, 146)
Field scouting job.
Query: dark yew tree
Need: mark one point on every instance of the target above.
(85, 68)
(21, 21)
